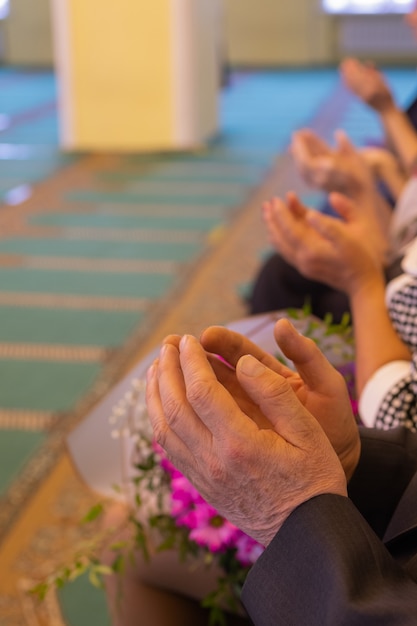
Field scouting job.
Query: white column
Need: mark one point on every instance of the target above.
(135, 75)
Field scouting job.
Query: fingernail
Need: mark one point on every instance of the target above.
(164, 349)
(184, 341)
(250, 366)
(151, 372)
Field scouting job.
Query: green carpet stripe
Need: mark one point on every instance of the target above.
(188, 174)
(92, 284)
(149, 250)
(16, 448)
(122, 234)
(175, 188)
(66, 383)
(95, 220)
(98, 197)
(160, 210)
(71, 302)
(74, 327)
(179, 189)
(92, 265)
(182, 166)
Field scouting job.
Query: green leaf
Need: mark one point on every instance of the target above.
(93, 513)
(40, 590)
(118, 545)
(118, 564)
(95, 579)
(79, 569)
(104, 570)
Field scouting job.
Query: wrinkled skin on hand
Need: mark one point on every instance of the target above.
(317, 385)
(252, 474)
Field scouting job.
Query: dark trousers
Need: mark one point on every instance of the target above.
(280, 286)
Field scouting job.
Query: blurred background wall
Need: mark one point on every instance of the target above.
(257, 33)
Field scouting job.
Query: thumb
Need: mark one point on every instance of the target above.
(309, 361)
(277, 401)
(343, 206)
(343, 142)
(330, 228)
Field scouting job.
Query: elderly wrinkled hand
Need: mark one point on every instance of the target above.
(317, 385)
(253, 476)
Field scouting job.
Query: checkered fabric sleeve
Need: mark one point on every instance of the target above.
(403, 312)
(399, 404)
(389, 398)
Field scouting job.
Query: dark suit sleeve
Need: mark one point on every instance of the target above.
(327, 567)
(387, 464)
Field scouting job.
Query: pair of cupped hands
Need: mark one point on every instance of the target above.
(256, 438)
(348, 250)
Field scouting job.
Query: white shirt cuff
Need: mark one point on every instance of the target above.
(377, 388)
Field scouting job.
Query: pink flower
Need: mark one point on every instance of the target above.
(211, 530)
(248, 550)
(207, 528)
(183, 495)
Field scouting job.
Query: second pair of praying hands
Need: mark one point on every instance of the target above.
(347, 169)
(343, 253)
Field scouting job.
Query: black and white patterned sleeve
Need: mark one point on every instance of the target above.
(384, 393)
(399, 405)
(389, 398)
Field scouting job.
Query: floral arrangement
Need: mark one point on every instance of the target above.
(179, 517)
(167, 511)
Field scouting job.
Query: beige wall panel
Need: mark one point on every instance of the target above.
(278, 32)
(28, 33)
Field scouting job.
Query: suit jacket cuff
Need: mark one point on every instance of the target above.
(320, 568)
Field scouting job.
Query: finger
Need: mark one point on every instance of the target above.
(208, 398)
(275, 216)
(232, 345)
(330, 228)
(284, 226)
(173, 390)
(277, 401)
(265, 204)
(295, 205)
(226, 375)
(316, 144)
(309, 361)
(172, 339)
(296, 241)
(343, 142)
(163, 434)
(343, 206)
